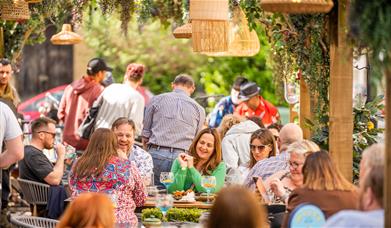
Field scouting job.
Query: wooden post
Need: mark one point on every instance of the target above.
(292, 113)
(305, 108)
(341, 89)
(387, 166)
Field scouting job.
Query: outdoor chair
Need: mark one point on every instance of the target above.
(34, 193)
(32, 222)
(306, 215)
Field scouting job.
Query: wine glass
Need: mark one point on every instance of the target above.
(164, 203)
(166, 178)
(208, 182)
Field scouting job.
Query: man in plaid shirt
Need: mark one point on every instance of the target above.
(289, 134)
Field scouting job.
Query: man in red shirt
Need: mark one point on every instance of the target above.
(255, 105)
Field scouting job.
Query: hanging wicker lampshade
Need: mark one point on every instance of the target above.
(66, 36)
(297, 6)
(242, 41)
(183, 32)
(14, 11)
(209, 19)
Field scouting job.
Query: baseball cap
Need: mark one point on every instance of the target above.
(97, 64)
(248, 90)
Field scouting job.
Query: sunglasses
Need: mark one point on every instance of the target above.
(258, 147)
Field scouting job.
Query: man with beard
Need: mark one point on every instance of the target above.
(125, 130)
(36, 166)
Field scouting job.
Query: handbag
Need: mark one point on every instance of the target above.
(88, 125)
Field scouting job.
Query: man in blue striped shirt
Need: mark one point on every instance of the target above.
(171, 121)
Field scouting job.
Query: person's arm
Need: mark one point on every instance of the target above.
(215, 114)
(230, 156)
(54, 177)
(219, 173)
(148, 118)
(179, 177)
(13, 153)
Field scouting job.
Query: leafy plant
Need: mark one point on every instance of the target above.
(173, 214)
(365, 132)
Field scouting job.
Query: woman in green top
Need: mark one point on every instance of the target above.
(204, 158)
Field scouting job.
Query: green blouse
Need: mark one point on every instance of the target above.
(185, 178)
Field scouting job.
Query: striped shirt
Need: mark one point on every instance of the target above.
(267, 167)
(172, 120)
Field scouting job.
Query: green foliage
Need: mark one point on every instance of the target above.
(151, 45)
(365, 132)
(370, 26)
(184, 214)
(174, 214)
(151, 213)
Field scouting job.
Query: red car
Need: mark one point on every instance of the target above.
(30, 108)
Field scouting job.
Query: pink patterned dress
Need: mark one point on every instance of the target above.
(122, 182)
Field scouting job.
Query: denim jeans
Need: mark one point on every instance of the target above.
(162, 162)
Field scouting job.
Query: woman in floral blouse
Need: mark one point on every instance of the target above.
(100, 169)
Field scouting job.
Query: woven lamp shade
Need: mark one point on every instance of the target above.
(183, 32)
(66, 36)
(13, 11)
(297, 6)
(242, 41)
(210, 28)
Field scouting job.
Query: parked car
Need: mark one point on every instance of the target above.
(31, 107)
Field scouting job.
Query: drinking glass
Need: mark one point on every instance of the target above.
(208, 182)
(166, 178)
(164, 203)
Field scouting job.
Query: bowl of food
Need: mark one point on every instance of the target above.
(152, 222)
(204, 197)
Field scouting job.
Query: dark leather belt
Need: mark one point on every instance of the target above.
(171, 149)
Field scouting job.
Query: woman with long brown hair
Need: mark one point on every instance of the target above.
(100, 169)
(262, 145)
(323, 186)
(204, 158)
(89, 210)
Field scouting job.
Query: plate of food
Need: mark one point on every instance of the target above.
(184, 196)
(204, 197)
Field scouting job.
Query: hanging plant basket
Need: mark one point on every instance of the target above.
(242, 41)
(183, 32)
(14, 11)
(297, 6)
(66, 36)
(209, 20)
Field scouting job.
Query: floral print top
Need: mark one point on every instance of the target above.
(143, 161)
(122, 182)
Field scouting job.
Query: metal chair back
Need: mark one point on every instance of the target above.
(32, 222)
(34, 192)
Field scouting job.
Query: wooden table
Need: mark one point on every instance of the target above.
(198, 204)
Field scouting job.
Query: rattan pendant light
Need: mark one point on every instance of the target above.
(14, 10)
(242, 41)
(297, 6)
(209, 25)
(66, 36)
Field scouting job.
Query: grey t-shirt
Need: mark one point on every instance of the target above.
(35, 166)
(9, 126)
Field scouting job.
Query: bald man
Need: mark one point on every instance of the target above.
(289, 134)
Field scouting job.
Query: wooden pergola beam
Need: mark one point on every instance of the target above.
(340, 92)
(305, 108)
(387, 163)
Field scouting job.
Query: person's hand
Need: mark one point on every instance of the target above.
(182, 158)
(122, 154)
(60, 150)
(190, 161)
(277, 187)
